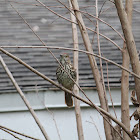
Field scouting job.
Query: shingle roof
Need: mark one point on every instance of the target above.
(55, 31)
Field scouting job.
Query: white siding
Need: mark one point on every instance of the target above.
(14, 115)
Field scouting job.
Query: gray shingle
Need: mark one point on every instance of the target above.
(55, 31)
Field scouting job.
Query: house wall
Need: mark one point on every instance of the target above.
(14, 115)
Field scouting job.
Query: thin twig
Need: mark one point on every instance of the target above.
(110, 91)
(23, 3)
(89, 19)
(112, 127)
(10, 133)
(99, 51)
(107, 38)
(107, 9)
(71, 49)
(95, 127)
(54, 11)
(102, 93)
(17, 132)
(100, 60)
(100, 12)
(136, 10)
(58, 18)
(52, 114)
(91, 29)
(49, 6)
(24, 98)
(97, 18)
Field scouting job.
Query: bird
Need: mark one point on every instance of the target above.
(63, 76)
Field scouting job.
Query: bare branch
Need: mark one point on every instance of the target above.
(76, 89)
(136, 10)
(99, 49)
(106, 38)
(95, 127)
(89, 28)
(10, 133)
(130, 42)
(51, 113)
(110, 92)
(17, 132)
(97, 18)
(24, 98)
(54, 12)
(63, 48)
(125, 75)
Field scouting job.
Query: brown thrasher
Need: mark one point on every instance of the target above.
(64, 78)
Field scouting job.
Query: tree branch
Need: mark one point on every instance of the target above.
(71, 49)
(76, 89)
(130, 42)
(17, 132)
(24, 98)
(125, 76)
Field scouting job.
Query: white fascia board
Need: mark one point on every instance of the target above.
(50, 99)
(55, 99)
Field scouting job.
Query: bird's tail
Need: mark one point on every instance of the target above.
(68, 99)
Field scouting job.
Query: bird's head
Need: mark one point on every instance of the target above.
(64, 58)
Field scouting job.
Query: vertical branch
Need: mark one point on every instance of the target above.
(98, 41)
(110, 91)
(130, 43)
(23, 98)
(94, 66)
(125, 76)
(76, 89)
(99, 49)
